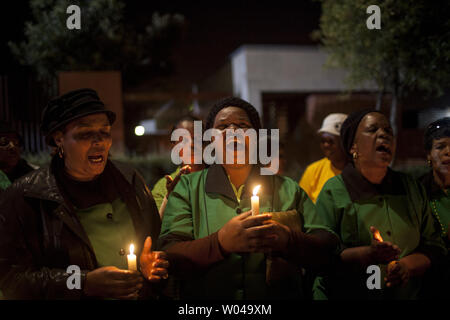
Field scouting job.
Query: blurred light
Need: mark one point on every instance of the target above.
(139, 130)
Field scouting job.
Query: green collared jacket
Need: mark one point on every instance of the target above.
(349, 204)
(201, 204)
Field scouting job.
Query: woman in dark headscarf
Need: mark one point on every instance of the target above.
(382, 217)
(212, 240)
(437, 185)
(79, 215)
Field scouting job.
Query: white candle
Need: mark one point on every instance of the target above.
(255, 201)
(131, 259)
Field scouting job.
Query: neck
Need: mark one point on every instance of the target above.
(374, 175)
(339, 163)
(74, 176)
(238, 175)
(441, 180)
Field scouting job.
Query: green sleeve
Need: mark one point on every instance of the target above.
(306, 207)
(326, 213)
(177, 223)
(4, 181)
(430, 231)
(159, 191)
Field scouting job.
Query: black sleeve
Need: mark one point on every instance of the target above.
(21, 275)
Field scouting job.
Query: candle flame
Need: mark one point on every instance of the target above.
(377, 236)
(131, 249)
(256, 190)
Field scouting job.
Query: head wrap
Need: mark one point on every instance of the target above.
(349, 127)
(233, 102)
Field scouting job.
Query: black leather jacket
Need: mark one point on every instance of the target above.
(40, 235)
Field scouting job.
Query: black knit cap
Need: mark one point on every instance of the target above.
(349, 127)
(70, 106)
(436, 130)
(233, 102)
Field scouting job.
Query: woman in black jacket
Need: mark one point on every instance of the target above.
(65, 229)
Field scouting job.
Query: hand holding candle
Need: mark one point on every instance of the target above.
(255, 201)
(382, 252)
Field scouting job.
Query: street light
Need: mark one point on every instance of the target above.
(139, 130)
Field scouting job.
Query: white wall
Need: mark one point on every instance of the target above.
(265, 68)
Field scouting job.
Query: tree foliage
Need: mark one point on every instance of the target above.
(104, 41)
(410, 52)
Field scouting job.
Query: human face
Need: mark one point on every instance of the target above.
(234, 118)
(374, 142)
(331, 146)
(439, 156)
(189, 126)
(9, 150)
(86, 142)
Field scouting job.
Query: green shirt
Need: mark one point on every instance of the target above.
(4, 181)
(110, 230)
(348, 205)
(159, 191)
(202, 203)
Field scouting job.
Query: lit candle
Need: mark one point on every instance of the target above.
(255, 201)
(377, 236)
(131, 259)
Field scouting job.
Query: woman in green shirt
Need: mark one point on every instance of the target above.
(437, 184)
(213, 242)
(162, 189)
(369, 199)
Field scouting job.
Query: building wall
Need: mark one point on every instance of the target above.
(262, 68)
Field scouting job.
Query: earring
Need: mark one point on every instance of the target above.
(429, 163)
(355, 156)
(60, 152)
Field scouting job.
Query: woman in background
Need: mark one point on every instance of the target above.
(437, 185)
(164, 186)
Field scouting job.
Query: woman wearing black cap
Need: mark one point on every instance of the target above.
(214, 243)
(82, 211)
(382, 217)
(437, 185)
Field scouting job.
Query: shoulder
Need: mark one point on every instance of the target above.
(286, 186)
(317, 165)
(334, 183)
(38, 183)
(125, 169)
(194, 178)
(336, 190)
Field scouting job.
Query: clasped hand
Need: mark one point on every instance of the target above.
(247, 233)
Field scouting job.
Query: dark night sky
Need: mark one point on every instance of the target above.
(214, 29)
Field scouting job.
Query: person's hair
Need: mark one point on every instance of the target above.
(187, 117)
(252, 113)
(436, 130)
